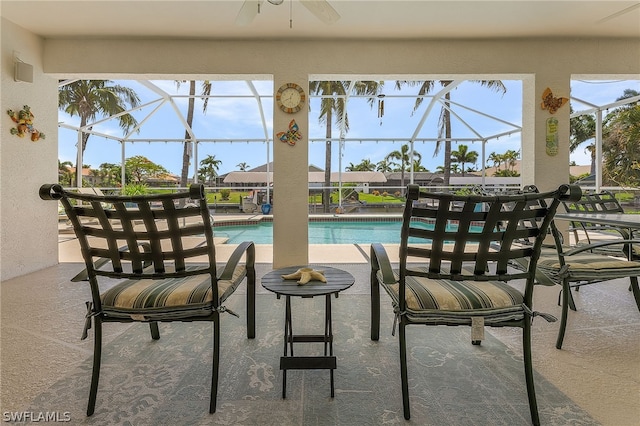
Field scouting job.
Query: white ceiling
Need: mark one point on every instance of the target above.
(360, 19)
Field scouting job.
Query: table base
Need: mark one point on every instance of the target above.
(291, 362)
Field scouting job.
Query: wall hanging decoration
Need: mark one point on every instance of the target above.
(551, 103)
(552, 136)
(292, 135)
(24, 124)
(290, 98)
(381, 107)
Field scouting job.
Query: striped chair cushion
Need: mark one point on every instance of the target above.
(169, 298)
(587, 266)
(439, 299)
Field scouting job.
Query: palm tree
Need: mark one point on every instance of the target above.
(383, 166)
(621, 143)
(209, 168)
(510, 160)
(89, 99)
(583, 128)
(444, 123)
(496, 159)
(65, 176)
(331, 106)
(364, 166)
(417, 167)
(110, 174)
(242, 166)
(186, 153)
(405, 160)
(462, 155)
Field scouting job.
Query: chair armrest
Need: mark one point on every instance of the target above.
(84, 274)
(589, 247)
(588, 226)
(380, 262)
(236, 256)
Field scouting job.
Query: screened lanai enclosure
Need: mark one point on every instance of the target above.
(392, 132)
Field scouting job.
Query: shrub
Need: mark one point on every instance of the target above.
(625, 197)
(135, 189)
(224, 193)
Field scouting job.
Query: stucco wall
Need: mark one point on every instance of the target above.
(29, 238)
(540, 63)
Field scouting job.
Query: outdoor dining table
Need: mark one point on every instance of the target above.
(627, 221)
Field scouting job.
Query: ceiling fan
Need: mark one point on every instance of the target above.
(321, 9)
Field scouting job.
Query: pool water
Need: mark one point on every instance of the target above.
(329, 232)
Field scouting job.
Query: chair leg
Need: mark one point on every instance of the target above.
(216, 364)
(403, 369)
(565, 309)
(528, 372)
(155, 331)
(375, 306)
(95, 373)
(572, 303)
(251, 304)
(636, 291)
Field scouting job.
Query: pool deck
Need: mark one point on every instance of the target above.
(601, 354)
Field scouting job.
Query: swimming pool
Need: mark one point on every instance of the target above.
(322, 232)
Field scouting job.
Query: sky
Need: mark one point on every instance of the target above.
(233, 114)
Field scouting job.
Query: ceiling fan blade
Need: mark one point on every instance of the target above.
(619, 13)
(322, 10)
(248, 12)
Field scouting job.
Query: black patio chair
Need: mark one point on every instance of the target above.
(454, 267)
(603, 202)
(162, 248)
(572, 267)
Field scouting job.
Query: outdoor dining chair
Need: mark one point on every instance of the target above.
(161, 248)
(454, 267)
(586, 233)
(572, 267)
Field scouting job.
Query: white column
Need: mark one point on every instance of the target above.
(291, 179)
(545, 171)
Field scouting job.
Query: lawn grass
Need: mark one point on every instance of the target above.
(235, 197)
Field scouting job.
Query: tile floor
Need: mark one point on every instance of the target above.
(598, 367)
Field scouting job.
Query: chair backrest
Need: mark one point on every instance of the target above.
(90, 190)
(480, 237)
(144, 236)
(594, 202)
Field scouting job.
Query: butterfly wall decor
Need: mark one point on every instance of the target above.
(550, 102)
(292, 135)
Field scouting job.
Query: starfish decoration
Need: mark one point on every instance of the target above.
(304, 275)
